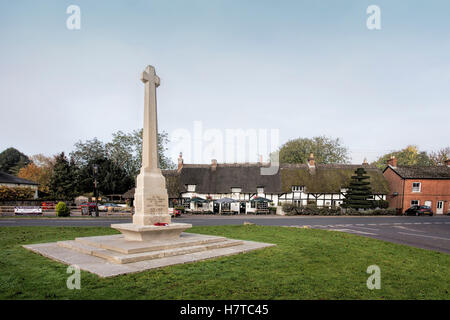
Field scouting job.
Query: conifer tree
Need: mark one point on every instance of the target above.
(359, 192)
(63, 181)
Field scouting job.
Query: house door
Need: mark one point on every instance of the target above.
(440, 207)
(242, 208)
(216, 207)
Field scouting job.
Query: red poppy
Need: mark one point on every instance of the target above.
(161, 224)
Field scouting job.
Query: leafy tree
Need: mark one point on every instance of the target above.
(12, 160)
(359, 191)
(63, 183)
(131, 144)
(86, 152)
(409, 156)
(111, 178)
(325, 149)
(125, 150)
(164, 161)
(438, 157)
(39, 170)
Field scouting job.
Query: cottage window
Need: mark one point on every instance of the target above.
(297, 188)
(236, 190)
(416, 186)
(191, 187)
(260, 190)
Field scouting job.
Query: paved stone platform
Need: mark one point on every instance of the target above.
(108, 256)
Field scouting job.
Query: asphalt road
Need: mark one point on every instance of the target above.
(431, 233)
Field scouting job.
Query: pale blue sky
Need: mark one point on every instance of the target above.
(306, 68)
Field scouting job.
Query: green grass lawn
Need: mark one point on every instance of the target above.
(305, 264)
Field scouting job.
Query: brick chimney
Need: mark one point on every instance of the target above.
(311, 161)
(447, 162)
(180, 162)
(392, 162)
(213, 165)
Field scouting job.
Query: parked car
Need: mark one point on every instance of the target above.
(419, 211)
(174, 212)
(106, 206)
(47, 205)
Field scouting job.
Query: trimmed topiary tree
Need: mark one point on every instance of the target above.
(62, 210)
(359, 192)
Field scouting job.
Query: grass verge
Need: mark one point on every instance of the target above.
(305, 264)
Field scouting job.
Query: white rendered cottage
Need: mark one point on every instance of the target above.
(196, 186)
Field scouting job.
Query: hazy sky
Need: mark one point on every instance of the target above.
(306, 68)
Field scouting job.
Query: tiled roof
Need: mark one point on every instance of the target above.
(8, 178)
(422, 172)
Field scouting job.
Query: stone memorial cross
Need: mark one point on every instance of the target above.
(151, 200)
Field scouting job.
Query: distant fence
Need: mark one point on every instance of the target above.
(51, 209)
(11, 210)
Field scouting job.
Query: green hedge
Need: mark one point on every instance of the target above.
(312, 210)
(16, 193)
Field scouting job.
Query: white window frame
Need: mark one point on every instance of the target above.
(236, 190)
(297, 188)
(260, 190)
(191, 187)
(414, 189)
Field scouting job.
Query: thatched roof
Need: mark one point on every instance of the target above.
(226, 176)
(328, 178)
(422, 172)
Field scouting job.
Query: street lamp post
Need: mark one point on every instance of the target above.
(95, 167)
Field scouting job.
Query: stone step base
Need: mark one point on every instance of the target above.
(158, 250)
(87, 258)
(118, 244)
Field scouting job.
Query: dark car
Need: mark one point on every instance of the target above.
(419, 211)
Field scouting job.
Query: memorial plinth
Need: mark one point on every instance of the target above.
(135, 232)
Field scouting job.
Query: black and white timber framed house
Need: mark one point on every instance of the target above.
(321, 184)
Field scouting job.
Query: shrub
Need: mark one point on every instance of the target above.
(62, 210)
(272, 210)
(382, 204)
(289, 208)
